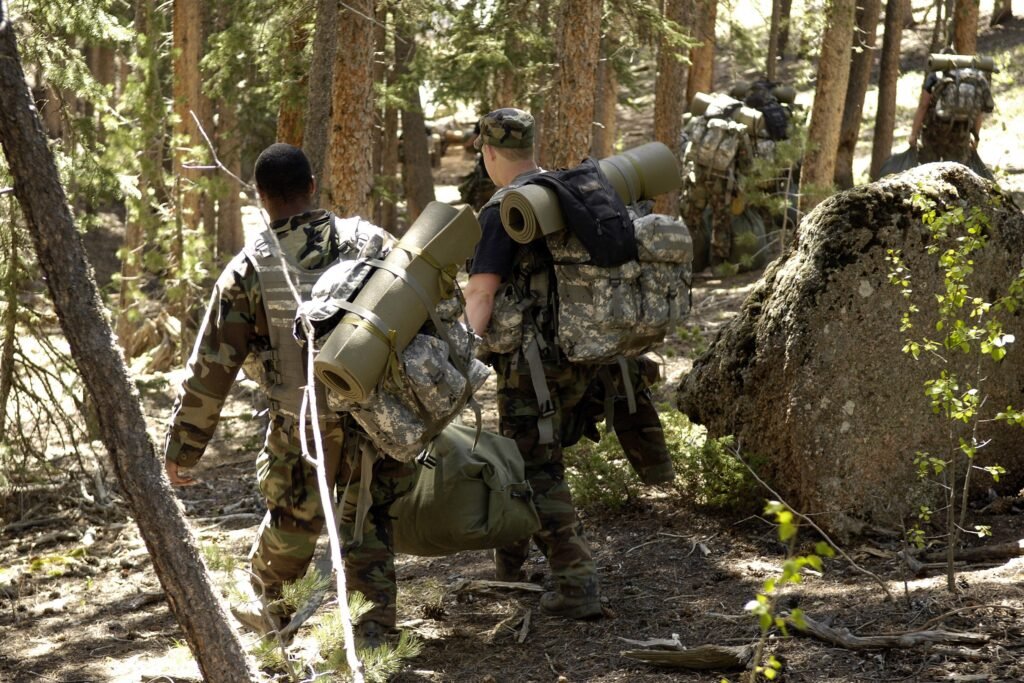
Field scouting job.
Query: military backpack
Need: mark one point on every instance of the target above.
(961, 95)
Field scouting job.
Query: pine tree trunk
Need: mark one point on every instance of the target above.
(888, 75)
(826, 114)
(230, 235)
(772, 63)
(381, 78)
(141, 222)
(187, 38)
(862, 62)
(389, 171)
(785, 14)
(318, 101)
(568, 116)
(292, 107)
(170, 543)
(702, 58)
(1002, 12)
(349, 163)
(965, 27)
(602, 143)
(670, 96)
(11, 251)
(417, 179)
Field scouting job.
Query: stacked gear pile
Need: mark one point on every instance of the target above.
(392, 349)
(719, 143)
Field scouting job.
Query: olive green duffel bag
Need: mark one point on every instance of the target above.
(471, 499)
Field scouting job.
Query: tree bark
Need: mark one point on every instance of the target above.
(417, 179)
(292, 107)
(568, 116)
(823, 133)
(670, 97)
(702, 57)
(389, 171)
(381, 77)
(230, 234)
(318, 101)
(187, 38)
(602, 143)
(168, 538)
(965, 27)
(785, 12)
(349, 162)
(863, 60)
(10, 319)
(772, 64)
(888, 75)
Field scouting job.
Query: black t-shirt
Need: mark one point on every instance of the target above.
(930, 81)
(495, 253)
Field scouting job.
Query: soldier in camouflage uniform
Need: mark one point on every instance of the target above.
(639, 430)
(506, 142)
(240, 324)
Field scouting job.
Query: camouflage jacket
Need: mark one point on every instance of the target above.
(235, 325)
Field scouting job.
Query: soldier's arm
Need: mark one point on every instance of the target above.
(480, 291)
(922, 108)
(227, 335)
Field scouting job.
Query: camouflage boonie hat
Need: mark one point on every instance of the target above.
(506, 127)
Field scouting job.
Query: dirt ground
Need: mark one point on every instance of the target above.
(79, 601)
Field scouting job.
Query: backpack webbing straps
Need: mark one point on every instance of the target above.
(545, 423)
(610, 395)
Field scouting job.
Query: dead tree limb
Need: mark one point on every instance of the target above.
(984, 553)
(841, 637)
(700, 658)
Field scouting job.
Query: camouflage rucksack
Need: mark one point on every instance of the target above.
(961, 96)
(715, 143)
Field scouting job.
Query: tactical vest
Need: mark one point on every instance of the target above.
(283, 366)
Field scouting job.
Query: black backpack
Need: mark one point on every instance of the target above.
(594, 212)
(776, 119)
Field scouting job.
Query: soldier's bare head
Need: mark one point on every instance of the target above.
(284, 176)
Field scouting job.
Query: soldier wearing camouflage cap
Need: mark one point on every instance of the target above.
(501, 267)
(250, 320)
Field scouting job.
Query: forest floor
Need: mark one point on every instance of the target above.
(79, 600)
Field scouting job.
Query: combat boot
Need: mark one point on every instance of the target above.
(258, 614)
(572, 602)
(508, 569)
(369, 635)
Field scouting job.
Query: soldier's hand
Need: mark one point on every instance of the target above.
(176, 477)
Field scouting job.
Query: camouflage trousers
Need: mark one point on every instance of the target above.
(951, 144)
(289, 484)
(640, 432)
(560, 538)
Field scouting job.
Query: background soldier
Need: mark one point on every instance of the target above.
(251, 314)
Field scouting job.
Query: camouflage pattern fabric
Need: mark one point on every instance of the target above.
(962, 95)
(561, 536)
(507, 127)
(505, 331)
(476, 187)
(640, 433)
(941, 142)
(623, 310)
(234, 328)
(289, 485)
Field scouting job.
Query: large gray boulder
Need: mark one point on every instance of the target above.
(810, 376)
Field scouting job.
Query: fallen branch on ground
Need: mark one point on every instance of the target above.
(841, 637)
(671, 653)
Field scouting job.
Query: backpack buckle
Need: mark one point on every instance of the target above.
(547, 408)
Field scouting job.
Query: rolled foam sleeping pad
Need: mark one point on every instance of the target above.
(748, 116)
(530, 211)
(355, 355)
(941, 62)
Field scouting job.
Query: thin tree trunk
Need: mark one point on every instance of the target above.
(965, 27)
(187, 38)
(602, 143)
(669, 99)
(772, 63)
(291, 109)
(417, 179)
(348, 189)
(826, 114)
(10, 322)
(888, 75)
(318, 101)
(230, 235)
(702, 57)
(381, 77)
(568, 117)
(785, 13)
(170, 543)
(860, 73)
